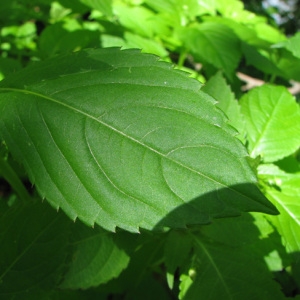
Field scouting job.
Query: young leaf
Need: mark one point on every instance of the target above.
(118, 138)
(272, 122)
(213, 43)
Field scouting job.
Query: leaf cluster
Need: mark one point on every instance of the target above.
(125, 178)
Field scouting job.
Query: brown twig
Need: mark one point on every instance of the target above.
(252, 82)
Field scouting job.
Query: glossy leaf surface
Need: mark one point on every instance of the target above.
(118, 138)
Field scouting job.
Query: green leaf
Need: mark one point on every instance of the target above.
(289, 65)
(272, 122)
(105, 6)
(283, 190)
(118, 138)
(147, 45)
(261, 59)
(221, 269)
(7, 66)
(182, 11)
(177, 248)
(65, 37)
(143, 277)
(32, 254)
(75, 6)
(7, 172)
(97, 259)
(292, 44)
(218, 88)
(213, 43)
(137, 18)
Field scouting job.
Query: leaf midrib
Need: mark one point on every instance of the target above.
(264, 130)
(123, 134)
(213, 264)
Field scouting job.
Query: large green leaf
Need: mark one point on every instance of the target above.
(118, 138)
(272, 122)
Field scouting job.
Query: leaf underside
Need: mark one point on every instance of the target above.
(119, 138)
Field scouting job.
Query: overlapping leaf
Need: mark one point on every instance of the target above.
(227, 266)
(118, 138)
(213, 43)
(272, 121)
(283, 189)
(33, 251)
(96, 260)
(220, 90)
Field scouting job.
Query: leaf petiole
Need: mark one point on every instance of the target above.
(13, 179)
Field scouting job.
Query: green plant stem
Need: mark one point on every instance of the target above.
(13, 179)
(182, 58)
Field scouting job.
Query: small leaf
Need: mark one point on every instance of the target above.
(289, 65)
(292, 44)
(272, 122)
(96, 259)
(118, 138)
(260, 58)
(147, 45)
(213, 43)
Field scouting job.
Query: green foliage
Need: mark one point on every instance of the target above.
(150, 164)
(121, 160)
